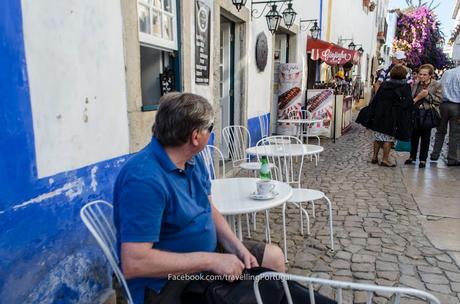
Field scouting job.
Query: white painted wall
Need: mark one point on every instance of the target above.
(259, 84)
(74, 53)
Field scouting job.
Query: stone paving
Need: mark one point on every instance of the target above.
(377, 228)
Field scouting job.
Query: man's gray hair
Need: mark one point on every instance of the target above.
(179, 115)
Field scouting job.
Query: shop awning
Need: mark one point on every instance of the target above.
(331, 53)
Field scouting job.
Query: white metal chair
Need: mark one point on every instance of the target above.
(397, 292)
(289, 170)
(96, 217)
(303, 128)
(208, 154)
(237, 139)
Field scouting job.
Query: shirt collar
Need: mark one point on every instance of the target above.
(159, 152)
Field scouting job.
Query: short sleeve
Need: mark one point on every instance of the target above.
(141, 207)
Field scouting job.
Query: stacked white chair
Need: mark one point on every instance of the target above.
(96, 216)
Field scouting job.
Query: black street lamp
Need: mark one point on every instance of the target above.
(273, 19)
(289, 15)
(273, 16)
(239, 4)
(315, 29)
(352, 46)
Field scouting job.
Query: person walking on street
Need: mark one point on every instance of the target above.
(389, 114)
(450, 116)
(427, 94)
(399, 57)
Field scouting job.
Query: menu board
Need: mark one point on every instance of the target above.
(202, 47)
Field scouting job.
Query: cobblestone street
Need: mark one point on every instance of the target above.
(378, 231)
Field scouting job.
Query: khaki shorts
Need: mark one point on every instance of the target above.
(172, 291)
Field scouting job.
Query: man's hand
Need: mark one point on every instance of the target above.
(248, 259)
(226, 264)
(423, 93)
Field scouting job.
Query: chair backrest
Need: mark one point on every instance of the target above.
(398, 292)
(288, 167)
(209, 154)
(264, 123)
(299, 114)
(96, 216)
(237, 139)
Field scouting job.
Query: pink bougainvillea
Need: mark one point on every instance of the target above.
(417, 34)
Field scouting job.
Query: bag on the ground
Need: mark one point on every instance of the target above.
(403, 146)
(242, 291)
(427, 118)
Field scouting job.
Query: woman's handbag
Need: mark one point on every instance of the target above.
(427, 118)
(403, 146)
(365, 116)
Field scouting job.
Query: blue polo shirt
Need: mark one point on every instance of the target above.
(154, 201)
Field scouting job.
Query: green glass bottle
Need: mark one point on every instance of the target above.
(264, 172)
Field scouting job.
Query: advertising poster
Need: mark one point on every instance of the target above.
(320, 103)
(289, 98)
(202, 36)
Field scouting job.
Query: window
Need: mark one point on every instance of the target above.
(157, 23)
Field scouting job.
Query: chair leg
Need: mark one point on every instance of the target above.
(313, 208)
(248, 225)
(331, 231)
(267, 227)
(284, 233)
(254, 220)
(308, 220)
(301, 219)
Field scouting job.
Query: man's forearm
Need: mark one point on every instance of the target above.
(140, 260)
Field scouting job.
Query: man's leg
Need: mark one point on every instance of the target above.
(267, 255)
(454, 133)
(441, 131)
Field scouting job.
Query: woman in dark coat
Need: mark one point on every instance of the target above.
(390, 114)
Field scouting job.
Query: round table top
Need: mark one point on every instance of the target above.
(300, 121)
(231, 196)
(289, 149)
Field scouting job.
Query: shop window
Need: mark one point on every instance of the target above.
(157, 76)
(158, 23)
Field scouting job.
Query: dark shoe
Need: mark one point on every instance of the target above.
(409, 161)
(374, 161)
(422, 164)
(383, 164)
(453, 164)
(433, 158)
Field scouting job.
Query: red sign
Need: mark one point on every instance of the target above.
(330, 53)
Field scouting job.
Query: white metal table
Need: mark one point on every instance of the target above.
(302, 124)
(290, 149)
(231, 196)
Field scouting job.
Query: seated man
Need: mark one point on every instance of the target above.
(165, 219)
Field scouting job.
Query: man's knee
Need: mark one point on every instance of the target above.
(274, 258)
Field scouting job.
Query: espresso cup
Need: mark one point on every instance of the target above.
(264, 187)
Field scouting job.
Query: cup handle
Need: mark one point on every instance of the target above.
(272, 188)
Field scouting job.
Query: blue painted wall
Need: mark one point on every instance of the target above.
(46, 254)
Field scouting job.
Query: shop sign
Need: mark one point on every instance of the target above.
(202, 46)
(330, 53)
(290, 93)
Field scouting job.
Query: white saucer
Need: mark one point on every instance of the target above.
(261, 197)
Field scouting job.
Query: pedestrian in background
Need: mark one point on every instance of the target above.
(450, 115)
(427, 94)
(389, 114)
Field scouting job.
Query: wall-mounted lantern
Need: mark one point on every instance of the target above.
(315, 29)
(239, 3)
(273, 16)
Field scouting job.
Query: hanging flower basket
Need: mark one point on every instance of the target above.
(366, 3)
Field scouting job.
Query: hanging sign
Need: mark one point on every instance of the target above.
(289, 98)
(202, 47)
(330, 53)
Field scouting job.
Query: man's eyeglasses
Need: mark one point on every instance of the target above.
(211, 126)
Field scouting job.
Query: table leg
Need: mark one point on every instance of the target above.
(240, 230)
